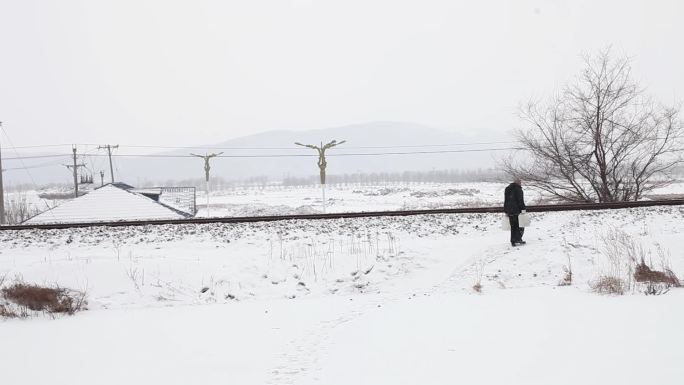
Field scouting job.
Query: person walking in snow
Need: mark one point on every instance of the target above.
(514, 205)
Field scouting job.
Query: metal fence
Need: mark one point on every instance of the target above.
(180, 198)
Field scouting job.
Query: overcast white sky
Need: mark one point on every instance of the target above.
(189, 72)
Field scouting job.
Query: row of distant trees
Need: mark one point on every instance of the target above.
(379, 178)
(358, 178)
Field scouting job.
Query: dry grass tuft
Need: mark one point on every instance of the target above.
(567, 278)
(27, 297)
(6, 312)
(643, 273)
(608, 285)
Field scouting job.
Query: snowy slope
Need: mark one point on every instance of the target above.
(300, 258)
(108, 203)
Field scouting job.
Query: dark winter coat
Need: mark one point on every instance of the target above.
(514, 202)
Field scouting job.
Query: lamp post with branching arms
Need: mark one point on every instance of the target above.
(207, 167)
(322, 162)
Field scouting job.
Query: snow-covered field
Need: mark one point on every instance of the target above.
(304, 200)
(350, 301)
(276, 199)
(273, 200)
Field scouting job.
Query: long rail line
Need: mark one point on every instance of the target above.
(364, 214)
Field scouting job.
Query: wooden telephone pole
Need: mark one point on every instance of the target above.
(74, 168)
(207, 167)
(109, 148)
(322, 162)
(2, 190)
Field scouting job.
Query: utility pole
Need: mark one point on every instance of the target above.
(101, 178)
(207, 167)
(109, 148)
(2, 190)
(322, 163)
(74, 167)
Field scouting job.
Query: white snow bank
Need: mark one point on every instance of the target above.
(190, 264)
(525, 337)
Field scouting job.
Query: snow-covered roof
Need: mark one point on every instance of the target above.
(107, 203)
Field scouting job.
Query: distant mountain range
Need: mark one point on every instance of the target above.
(251, 156)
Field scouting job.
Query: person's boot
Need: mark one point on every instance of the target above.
(521, 242)
(514, 244)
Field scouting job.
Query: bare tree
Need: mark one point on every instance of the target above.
(601, 139)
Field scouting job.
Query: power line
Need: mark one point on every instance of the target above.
(303, 155)
(429, 152)
(296, 149)
(291, 148)
(311, 155)
(34, 156)
(21, 159)
(270, 148)
(44, 146)
(428, 145)
(40, 165)
(284, 155)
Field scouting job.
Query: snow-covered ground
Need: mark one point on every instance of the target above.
(273, 200)
(276, 199)
(349, 301)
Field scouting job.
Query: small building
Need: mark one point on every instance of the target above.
(111, 203)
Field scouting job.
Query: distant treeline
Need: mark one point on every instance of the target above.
(359, 178)
(434, 176)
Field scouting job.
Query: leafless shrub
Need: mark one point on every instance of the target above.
(117, 244)
(622, 253)
(608, 285)
(644, 273)
(28, 298)
(627, 265)
(567, 269)
(7, 312)
(136, 276)
(567, 278)
(654, 282)
(18, 209)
